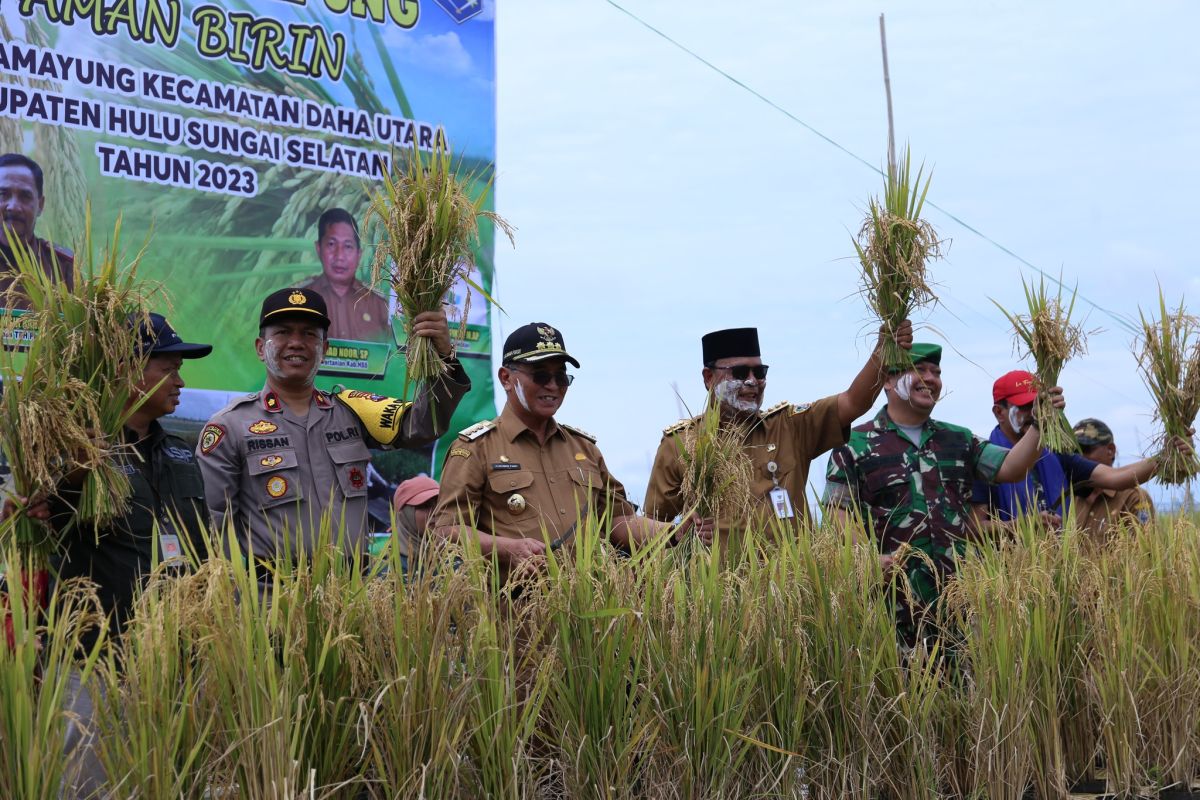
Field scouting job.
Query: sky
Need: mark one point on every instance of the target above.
(656, 200)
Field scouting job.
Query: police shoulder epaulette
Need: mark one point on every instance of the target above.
(579, 432)
(679, 426)
(478, 429)
(241, 399)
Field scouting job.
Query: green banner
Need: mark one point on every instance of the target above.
(220, 133)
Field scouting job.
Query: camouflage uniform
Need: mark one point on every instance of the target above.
(915, 494)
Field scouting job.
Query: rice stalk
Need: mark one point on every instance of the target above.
(429, 223)
(1168, 355)
(69, 390)
(155, 735)
(36, 664)
(1047, 333)
(417, 723)
(700, 617)
(717, 471)
(597, 712)
(894, 247)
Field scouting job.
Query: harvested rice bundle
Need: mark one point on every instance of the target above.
(1047, 333)
(1168, 354)
(894, 248)
(430, 222)
(716, 469)
(69, 368)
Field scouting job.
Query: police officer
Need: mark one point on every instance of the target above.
(521, 482)
(279, 461)
(909, 478)
(781, 441)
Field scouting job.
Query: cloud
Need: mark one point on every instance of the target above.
(440, 52)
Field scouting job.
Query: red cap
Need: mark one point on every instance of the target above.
(1018, 387)
(414, 492)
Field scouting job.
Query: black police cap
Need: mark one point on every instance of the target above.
(297, 303)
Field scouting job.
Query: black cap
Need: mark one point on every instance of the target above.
(730, 343)
(294, 302)
(536, 341)
(156, 337)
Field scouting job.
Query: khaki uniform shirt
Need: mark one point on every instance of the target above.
(788, 436)
(360, 314)
(57, 262)
(277, 475)
(500, 480)
(1099, 512)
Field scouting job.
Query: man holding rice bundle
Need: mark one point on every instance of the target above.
(1047, 489)
(521, 483)
(781, 441)
(908, 478)
(163, 522)
(280, 461)
(1098, 511)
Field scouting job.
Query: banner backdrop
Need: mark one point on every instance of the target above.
(221, 132)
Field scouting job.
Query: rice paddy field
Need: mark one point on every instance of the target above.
(772, 670)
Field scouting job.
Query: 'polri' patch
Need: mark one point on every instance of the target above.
(210, 437)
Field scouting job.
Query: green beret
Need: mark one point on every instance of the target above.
(923, 351)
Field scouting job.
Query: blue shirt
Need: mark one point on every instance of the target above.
(1047, 487)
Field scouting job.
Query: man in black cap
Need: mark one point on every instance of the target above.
(280, 461)
(163, 521)
(520, 483)
(781, 441)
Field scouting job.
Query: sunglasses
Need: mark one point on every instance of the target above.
(542, 377)
(742, 371)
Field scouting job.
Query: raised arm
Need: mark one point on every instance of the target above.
(864, 389)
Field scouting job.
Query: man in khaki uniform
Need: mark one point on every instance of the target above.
(355, 312)
(781, 441)
(279, 460)
(21, 203)
(1098, 511)
(521, 482)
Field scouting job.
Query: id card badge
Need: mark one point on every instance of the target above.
(168, 542)
(782, 503)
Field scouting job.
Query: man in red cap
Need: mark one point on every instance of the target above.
(1046, 489)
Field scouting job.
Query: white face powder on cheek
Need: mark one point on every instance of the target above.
(904, 386)
(271, 358)
(727, 392)
(1014, 418)
(520, 390)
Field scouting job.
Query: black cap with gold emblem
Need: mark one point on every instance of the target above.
(536, 341)
(294, 302)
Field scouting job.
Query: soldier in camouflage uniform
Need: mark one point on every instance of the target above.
(908, 478)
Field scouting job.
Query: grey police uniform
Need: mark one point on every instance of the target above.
(277, 475)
